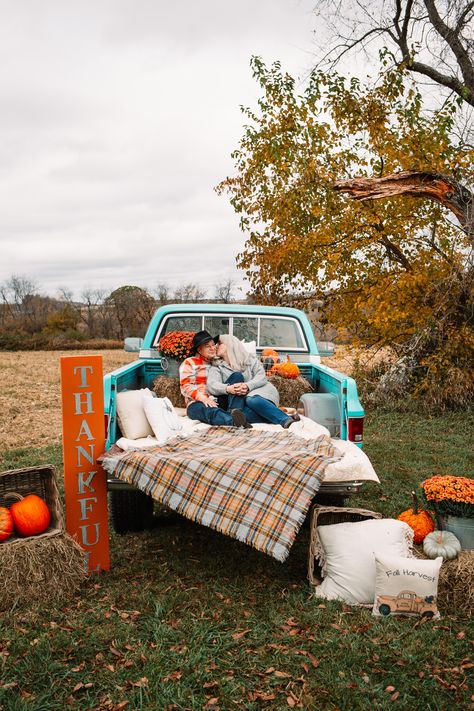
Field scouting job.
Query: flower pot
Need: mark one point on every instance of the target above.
(170, 366)
(463, 529)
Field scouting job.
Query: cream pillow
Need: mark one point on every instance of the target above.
(163, 420)
(354, 465)
(131, 415)
(406, 586)
(346, 553)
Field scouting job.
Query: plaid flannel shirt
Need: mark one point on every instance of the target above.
(193, 379)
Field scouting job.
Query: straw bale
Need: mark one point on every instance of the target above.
(290, 391)
(456, 584)
(169, 387)
(40, 570)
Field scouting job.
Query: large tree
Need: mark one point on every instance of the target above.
(433, 39)
(375, 262)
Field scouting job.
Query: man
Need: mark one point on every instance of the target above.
(193, 380)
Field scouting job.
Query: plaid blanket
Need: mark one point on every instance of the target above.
(253, 486)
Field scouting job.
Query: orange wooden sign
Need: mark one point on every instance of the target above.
(83, 441)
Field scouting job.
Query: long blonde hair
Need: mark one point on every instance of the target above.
(238, 356)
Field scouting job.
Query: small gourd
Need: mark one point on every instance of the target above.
(286, 370)
(6, 523)
(441, 543)
(420, 521)
(30, 514)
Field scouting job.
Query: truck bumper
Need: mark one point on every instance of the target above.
(343, 488)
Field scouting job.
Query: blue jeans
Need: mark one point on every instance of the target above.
(219, 415)
(255, 408)
(209, 415)
(258, 409)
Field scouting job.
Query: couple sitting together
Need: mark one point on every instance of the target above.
(223, 384)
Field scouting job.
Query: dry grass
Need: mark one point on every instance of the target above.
(30, 396)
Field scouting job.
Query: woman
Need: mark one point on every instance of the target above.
(238, 380)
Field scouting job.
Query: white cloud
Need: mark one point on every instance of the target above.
(117, 120)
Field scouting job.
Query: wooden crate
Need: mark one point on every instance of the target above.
(324, 516)
(33, 480)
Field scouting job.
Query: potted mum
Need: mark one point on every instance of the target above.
(452, 500)
(174, 347)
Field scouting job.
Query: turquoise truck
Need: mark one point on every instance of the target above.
(333, 403)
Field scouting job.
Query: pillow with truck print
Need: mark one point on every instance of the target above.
(406, 586)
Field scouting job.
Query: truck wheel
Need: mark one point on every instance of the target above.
(384, 609)
(428, 613)
(130, 510)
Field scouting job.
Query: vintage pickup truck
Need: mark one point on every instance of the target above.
(334, 402)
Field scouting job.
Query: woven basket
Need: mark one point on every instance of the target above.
(324, 516)
(33, 480)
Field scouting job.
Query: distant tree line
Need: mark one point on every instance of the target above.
(98, 319)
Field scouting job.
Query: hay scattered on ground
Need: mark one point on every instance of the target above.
(165, 386)
(290, 390)
(40, 570)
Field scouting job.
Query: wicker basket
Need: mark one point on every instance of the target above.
(323, 516)
(33, 480)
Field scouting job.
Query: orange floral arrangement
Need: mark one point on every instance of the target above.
(176, 344)
(450, 495)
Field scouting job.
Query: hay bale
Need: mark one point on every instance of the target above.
(456, 584)
(41, 570)
(290, 391)
(169, 387)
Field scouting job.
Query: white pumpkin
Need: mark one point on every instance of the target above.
(441, 543)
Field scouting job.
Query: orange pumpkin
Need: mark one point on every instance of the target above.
(30, 514)
(271, 353)
(286, 370)
(6, 523)
(420, 521)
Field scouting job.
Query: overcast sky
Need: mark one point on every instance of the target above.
(117, 120)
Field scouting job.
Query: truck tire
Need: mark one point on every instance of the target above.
(131, 510)
(384, 609)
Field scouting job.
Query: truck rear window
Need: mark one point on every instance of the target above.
(279, 333)
(267, 331)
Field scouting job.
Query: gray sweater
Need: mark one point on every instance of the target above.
(254, 377)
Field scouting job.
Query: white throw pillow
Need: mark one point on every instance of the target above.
(131, 415)
(354, 465)
(250, 347)
(163, 420)
(406, 586)
(346, 552)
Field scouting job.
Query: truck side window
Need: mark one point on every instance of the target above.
(244, 328)
(279, 333)
(216, 325)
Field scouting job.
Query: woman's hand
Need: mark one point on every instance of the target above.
(237, 389)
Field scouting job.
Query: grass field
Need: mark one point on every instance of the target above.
(189, 619)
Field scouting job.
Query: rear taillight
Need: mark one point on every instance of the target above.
(356, 429)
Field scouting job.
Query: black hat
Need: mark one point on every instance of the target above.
(200, 338)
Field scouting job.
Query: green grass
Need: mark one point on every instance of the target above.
(187, 616)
